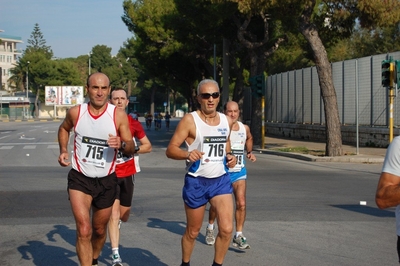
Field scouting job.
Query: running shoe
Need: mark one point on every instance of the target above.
(240, 242)
(210, 238)
(116, 260)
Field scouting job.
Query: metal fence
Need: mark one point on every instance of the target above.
(295, 96)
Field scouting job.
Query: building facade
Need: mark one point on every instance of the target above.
(8, 58)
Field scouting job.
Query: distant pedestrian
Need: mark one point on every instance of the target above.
(149, 119)
(167, 120)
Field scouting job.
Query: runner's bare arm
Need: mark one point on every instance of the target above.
(124, 133)
(249, 144)
(230, 158)
(63, 135)
(185, 131)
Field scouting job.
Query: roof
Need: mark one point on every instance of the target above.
(10, 37)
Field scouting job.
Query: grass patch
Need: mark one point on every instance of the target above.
(302, 150)
(294, 149)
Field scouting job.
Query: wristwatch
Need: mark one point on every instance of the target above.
(123, 145)
(137, 149)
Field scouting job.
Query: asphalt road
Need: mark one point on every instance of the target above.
(298, 213)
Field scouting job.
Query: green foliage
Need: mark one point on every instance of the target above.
(37, 43)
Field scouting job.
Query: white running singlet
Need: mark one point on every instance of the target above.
(238, 141)
(92, 156)
(212, 141)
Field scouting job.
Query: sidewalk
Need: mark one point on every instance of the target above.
(365, 154)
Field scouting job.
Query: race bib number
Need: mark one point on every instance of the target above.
(214, 149)
(92, 151)
(237, 150)
(122, 158)
(239, 161)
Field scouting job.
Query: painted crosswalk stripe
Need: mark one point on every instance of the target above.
(52, 146)
(29, 147)
(6, 147)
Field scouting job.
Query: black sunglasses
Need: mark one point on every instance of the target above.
(208, 95)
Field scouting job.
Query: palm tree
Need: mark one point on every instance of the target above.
(17, 80)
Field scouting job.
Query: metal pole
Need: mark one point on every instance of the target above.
(90, 53)
(27, 88)
(262, 122)
(391, 99)
(215, 63)
(357, 94)
(225, 72)
(27, 80)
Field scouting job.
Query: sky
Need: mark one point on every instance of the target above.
(70, 27)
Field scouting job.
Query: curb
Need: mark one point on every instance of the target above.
(311, 158)
(30, 120)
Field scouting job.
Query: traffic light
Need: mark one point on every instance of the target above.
(257, 85)
(397, 72)
(386, 73)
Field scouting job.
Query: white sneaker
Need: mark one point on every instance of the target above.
(240, 242)
(210, 238)
(116, 260)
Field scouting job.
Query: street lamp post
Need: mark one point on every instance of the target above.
(90, 53)
(27, 90)
(27, 80)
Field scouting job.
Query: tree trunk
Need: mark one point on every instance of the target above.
(128, 93)
(37, 103)
(153, 93)
(328, 93)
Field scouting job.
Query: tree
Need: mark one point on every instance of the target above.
(339, 17)
(156, 48)
(37, 43)
(323, 24)
(18, 76)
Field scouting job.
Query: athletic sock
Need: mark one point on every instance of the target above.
(216, 264)
(238, 233)
(210, 226)
(185, 263)
(94, 262)
(115, 251)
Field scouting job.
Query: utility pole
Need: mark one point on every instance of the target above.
(388, 67)
(90, 65)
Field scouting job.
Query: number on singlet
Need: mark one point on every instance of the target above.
(94, 152)
(216, 150)
(239, 159)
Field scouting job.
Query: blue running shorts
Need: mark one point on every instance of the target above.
(236, 176)
(197, 191)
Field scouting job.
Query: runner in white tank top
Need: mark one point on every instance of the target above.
(212, 141)
(92, 155)
(240, 139)
(206, 134)
(100, 130)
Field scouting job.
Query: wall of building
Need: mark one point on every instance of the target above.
(368, 136)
